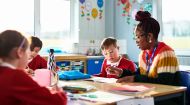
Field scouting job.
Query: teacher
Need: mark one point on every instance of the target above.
(157, 61)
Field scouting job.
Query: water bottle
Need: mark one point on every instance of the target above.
(51, 65)
(51, 61)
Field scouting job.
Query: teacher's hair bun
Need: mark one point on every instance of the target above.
(142, 15)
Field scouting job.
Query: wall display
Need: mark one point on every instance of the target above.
(126, 8)
(140, 1)
(86, 7)
(94, 13)
(100, 4)
(82, 7)
(82, 1)
(148, 7)
(130, 7)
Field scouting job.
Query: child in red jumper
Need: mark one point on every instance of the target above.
(16, 87)
(35, 60)
(113, 60)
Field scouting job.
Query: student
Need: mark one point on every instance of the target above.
(16, 87)
(113, 61)
(35, 60)
(157, 61)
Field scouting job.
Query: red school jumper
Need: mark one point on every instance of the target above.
(123, 64)
(37, 63)
(17, 88)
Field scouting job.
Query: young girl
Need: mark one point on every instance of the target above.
(16, 87)
(113, 61)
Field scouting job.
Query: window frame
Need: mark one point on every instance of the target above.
(74, 21)
(157, 12)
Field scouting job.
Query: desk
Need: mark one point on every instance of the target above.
(160, 93)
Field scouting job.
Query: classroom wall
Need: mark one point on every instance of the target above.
(113, 23)
(123, 25)
(109, 18)
(91, 26)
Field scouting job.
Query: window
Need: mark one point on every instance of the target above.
(176, 25)
(17, 14)
(50, 20)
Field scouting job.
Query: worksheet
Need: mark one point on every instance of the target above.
(102, 96)
(137, 101)
(101, 79)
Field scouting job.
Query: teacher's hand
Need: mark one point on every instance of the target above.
(126, 79)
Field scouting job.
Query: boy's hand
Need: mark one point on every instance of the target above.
(114, 70)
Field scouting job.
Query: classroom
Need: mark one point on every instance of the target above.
(94, 52)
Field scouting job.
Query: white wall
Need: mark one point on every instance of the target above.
(91, 32)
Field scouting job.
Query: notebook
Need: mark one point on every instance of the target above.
(132, 89)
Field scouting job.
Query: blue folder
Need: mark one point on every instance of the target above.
(72, 75)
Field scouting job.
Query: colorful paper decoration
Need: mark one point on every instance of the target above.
(123, 1)
(118, 3)
(148, 7)
(82, 1)
(100, 5)
(140, 1)
(82, 8)
(128, 7)
(88, 5)
(134, 1)
(88, 8)
(94, 13)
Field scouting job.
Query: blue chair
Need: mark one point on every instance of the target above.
(182, 78)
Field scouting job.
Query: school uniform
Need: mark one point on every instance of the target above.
(37, 63)
(123, 64)
(17, 88)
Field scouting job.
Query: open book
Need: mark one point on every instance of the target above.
(132, 89)
(77, 88)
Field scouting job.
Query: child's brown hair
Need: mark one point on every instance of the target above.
(11, 39)
(35, 42)
(108, 42)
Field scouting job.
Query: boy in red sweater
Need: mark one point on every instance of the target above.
(16, 87)
(35, 60)
(113, 60)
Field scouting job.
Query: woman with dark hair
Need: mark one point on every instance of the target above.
(157, 61)
(16, 87)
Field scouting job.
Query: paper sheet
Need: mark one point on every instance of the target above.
(101, 96)
(141, 101)
(132, 89)
(101, 79)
